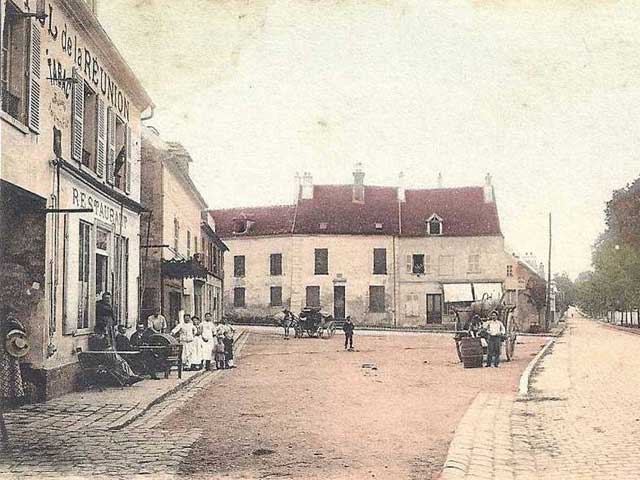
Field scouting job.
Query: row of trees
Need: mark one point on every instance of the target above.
(614, 282)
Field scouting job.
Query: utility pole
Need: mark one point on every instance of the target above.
(547, 313)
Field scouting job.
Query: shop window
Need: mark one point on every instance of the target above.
(276, 297)
(376, 299)
(238, 266)
(15, 63)
(380, 261)
(120, 292)
(313, 296)
(84, 274)
(238, 297)
(275, 264)
(321, 261)
(89, 128)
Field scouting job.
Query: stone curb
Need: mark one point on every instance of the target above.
(525, 378)
(139, 412)
(632, 331)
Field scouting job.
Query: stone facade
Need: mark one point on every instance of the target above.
(70, 144)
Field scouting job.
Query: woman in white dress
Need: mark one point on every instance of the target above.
(207, 336)
(185, 331)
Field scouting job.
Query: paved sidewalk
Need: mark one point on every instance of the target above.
(580, 420)
(111, 433)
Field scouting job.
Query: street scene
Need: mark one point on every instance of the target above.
(319, 240)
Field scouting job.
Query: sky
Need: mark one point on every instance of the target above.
(544, 95)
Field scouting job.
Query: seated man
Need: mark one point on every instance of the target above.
(122, 342)
(112, 362)
(138, 337)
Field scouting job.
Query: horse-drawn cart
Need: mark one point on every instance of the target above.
(314, 323)
(470, 330)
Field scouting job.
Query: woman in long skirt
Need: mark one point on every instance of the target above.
(185, 331)
(207, 336)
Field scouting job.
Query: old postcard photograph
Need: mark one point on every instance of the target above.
(319, 239)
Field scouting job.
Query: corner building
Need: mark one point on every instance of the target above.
(70, 182)
(386, 256)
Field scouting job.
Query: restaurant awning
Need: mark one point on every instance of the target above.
(494, 290)
(457, 292)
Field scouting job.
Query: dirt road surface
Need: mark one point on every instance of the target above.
(307, 409)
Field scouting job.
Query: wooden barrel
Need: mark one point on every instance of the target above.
(471, 352)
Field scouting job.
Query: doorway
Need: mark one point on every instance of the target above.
(339, 302)
(434, 308)
(175, 304)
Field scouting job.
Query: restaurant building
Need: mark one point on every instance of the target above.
(386, 256)
(69, 182)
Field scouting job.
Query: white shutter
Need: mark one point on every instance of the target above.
(129, 154)
(101, 133)
(77, 116)
(34, 77)
(409, 264)
(111, 145)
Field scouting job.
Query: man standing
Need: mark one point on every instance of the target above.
(348, 333)
(157, 322)
(496, 331)
(104, 318)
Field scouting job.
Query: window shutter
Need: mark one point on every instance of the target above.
(127, 142)
(102, 138)
(111, 145)
(409, 264)
(34, 77)
(77, 119)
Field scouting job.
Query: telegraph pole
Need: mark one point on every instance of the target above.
(547, 313)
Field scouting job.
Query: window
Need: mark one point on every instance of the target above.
(323, 225)
(416, 263)
(509, 270)
(376, 299)
(176, 234)
(474, 264)
(15, 66)
(313, 296)
(195, 244)
(380, 261)
(321, 261)
(188, 243)
(238, 297)
(445, 265)
(276, 297)
(238, 266)
(121, 280)
(122, 166)
(89, 128)
(434, 225)
(275, 264)
(84, 274)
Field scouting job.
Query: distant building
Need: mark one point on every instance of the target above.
(183, 257)
(383, 255)
(525, 287)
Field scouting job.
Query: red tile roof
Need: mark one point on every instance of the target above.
(463, 211)
(333, 211)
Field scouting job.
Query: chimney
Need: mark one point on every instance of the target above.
(488, 189)
(401, 187)
(306, 189)
(358, 184)
(439, 179)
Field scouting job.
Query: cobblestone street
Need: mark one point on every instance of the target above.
(580, 419)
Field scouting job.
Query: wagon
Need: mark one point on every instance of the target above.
(314, 323)
(466, 328)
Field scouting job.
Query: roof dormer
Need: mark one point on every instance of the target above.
(434, 225)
